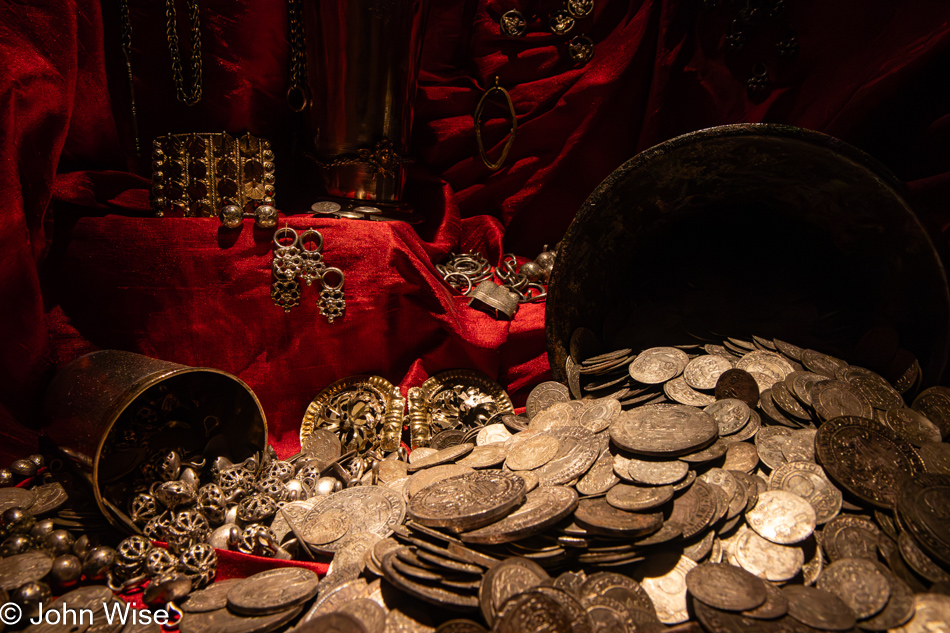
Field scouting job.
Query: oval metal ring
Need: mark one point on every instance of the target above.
(479, 110)
(468, 282)
(328, 271)
(286, 231)
(308, 235)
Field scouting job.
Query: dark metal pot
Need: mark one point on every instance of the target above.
(754, 229)
(98, 392)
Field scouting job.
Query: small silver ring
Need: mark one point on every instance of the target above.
(284, 231)
(316, 236)
(327, 271)
(467, 279)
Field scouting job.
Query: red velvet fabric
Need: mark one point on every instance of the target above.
(83, 267)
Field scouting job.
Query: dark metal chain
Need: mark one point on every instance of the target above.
(298, 96)
(194, 95)
(126, 39)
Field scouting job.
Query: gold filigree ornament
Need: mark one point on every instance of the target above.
(457, 399)
(214, 174)
(365, 412)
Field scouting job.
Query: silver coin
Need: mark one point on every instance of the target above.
(767, 367)
(668, 592)
(731, 414)
(664, 430)
(703, 371)
(211, 598)
(782, 517)
(468, 501)
(369, 508)
(678, 391)
(836, 398)
(542, 508)
(658, 364)
(535, 451)
(765, 559)
(20, 569)
(544, 395)
(16, 498)
(578, 449)
(809, 481)
(272, 591)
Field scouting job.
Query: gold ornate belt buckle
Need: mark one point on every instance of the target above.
(214, 174)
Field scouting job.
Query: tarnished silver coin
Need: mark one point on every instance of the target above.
(782, 517)
(485, 456)
(534, 452)
(911, 426)
(533, 611)
(818, 609)
(703, 371)
(543, 507)
(769, 442)
(505, 580)
(931, 613)
(273, 591)
(326, 527)
(935, 404)
(224, 621)
(600, 478)
(808, 481)
(658, 364)
(558, 414)
(836, 398)
(544, 395)
(725, 587)
(765, 559)
(859, 583)
(878, 392)
(787, 403)
(664, 430)
(866, 459)
(468, 501)
(656, 473)
(48, 498)
(372, 509)
(421, 453)
(491, 433)
(730, 414)
(667, 589)
(770, 366)
(678, 391)
(16, 498)
(211, 598)
(775, 605)
(637, 498)
(368, 612)
(598, 416)
(741, 456)
(936, 457)
(429, 476)
(578, 449)
(322, 446)
(444, 456)
(801, 383)
(599, 517)
(340, 622)
(20, 569)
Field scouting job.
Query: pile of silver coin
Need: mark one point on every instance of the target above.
(742, 485)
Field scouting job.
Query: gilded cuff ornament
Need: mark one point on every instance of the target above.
(214, 174)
